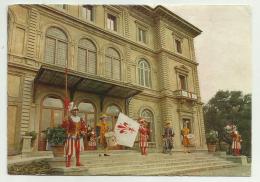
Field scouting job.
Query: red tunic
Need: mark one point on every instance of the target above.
(144, 134)
(75, 127)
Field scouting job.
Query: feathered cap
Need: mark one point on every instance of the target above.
(102, 116)
(73, 107)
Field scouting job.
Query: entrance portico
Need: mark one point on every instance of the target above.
(112, 98)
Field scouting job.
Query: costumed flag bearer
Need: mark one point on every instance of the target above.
(75, 128)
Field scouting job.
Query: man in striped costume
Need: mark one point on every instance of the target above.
(75, 128)
(236, 143)
(168, 138)
(144, 135)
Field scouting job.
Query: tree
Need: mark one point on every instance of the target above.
(230, 107)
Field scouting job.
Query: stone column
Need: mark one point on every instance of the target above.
(26, 144)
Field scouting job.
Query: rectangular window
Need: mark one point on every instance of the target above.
(61, 6)
(183, 84)
(142, 35)
(88, 12)
(111, 22)
(178, 46)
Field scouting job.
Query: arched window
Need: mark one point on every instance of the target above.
(88, 112)
(148, 115)
(144, 72)
(56, 47)
(112, 64)
(112, 111)
(87, 56)
(52, 110)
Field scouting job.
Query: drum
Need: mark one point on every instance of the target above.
(190, 136)
(110, 139)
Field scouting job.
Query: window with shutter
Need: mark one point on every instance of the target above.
(91, 67)
(108, 67)
(61, 53)
(50, 50)
(87, 56)
(56, 47)
(81, 60)
(113, 64)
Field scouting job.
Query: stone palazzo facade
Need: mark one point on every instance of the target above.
(132, 59)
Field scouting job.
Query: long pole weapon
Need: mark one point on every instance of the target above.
(66, 102)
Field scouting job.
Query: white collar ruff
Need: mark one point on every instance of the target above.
(75, 119)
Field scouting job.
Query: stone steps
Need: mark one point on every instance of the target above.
(129, 162)
(165, 170)
(107, 163)
(147, 166)
(187, 170)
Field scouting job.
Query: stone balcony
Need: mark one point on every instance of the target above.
(183, 94)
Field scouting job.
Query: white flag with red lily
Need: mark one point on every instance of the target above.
(126, 130)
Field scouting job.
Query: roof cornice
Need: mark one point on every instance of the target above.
(166, 13)
(160, 11)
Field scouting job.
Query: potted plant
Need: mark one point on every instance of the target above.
(212, 138)
(33, 135)
(56, 137)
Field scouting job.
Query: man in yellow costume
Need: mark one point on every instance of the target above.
(103, 129)
(186, 142)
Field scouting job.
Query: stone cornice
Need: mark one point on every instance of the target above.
(160, 11)
(106, 34)
(83, 25)
(164, 12)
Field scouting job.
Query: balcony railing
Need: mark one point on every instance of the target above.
(183, 94)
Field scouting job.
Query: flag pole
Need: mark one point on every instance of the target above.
(66, 102)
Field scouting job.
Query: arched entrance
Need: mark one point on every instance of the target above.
(52, 112)
(112, 112)
(87, 111)
(148, 115)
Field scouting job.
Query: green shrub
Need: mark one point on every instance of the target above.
(212, 137)
(56, 135)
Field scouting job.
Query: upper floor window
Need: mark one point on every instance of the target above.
(61, 6)
(88, 12)
(142, 35)
(87, 56)
(111, 22)
(178, 45)
(56, 47)
(144, 72)
(112, 64)
(183, 82)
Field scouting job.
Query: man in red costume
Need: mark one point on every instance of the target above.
(144, 135)
(236, 143)
(75, 128)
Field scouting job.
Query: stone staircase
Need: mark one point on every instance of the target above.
(129, 162)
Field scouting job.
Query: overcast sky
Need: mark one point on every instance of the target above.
(223, 50)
